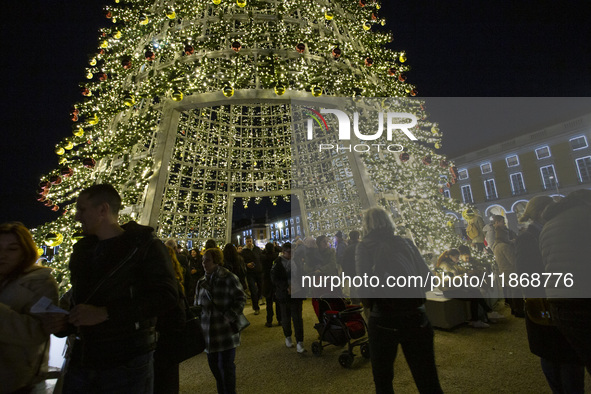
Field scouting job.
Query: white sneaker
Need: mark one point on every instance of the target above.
(288, 342)
(494, 315)
(300, 347)
(479, 324)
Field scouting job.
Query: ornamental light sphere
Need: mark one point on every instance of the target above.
(66, 172)
(89, 75)
(117, 35)
(404, 157)
(402, 77)
(368, 61)
(316, 91)
(402, 58)
(69, 145)
(88, 162)
(126, 63)
(366, 26)
(280, 89)
(177, 95)
(92, 61)
(144, 20)
(189, 50)
(216, 2)
(54, 239)
(149, 55)
(55, 180)
(78, 131)
(301, 47)
(86, 92)
(170, 13)
(336, 52)
(129, 100)
(328, 15)
(228, 90)
(241, 3)
(94, 120)
(59, 150)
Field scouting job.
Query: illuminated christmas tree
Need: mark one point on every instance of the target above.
(187, 104)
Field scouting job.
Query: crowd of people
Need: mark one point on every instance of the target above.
(129, 293)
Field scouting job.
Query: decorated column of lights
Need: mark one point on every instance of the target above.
(214, 79)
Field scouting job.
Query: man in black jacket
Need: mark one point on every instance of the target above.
(254, 271)
(122, 279)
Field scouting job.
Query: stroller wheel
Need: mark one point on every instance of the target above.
(365, 350)
(346, 360)
(316, 348)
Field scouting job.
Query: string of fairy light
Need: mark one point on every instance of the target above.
(154, 52)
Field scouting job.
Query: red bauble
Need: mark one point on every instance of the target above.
(74, 117)
(404, 157)
(55, 180)
(189, 50)
(66, 172)
(373, 16)
(45, 185)
(85, 92)
(236, 46)
(89, 162)
(362, 3)
(414, 92)
(392, 71)
(301, 47)
(150, 55)
(448, 184)
(402, 77)
(443, 163)
(55, 208)
(126, 63)
(101, 51)
(102, 77)
(48, 203)
(453, 181)
(108, 14)
(41, 198)
(427, 160)
(336, 52)
(368, 61)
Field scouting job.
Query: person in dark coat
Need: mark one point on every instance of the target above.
(562, 367)
(397, 315)
(268, 256)
(565, 243)
(254, 271)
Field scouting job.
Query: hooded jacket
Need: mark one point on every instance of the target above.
(132, 276)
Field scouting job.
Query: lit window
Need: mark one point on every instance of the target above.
(297, 219)
(446, 193)
(299, 231)
(543, 152)
(485, 168)
(490, 189)
(517, 183)
(512, 161)
(578, 142)
(463, 174)
(584, 168)
(467, 194)
(549, 177)
(291, 222)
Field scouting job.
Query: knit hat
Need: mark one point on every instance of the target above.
(535, 207)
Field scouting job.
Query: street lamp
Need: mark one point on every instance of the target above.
(280, 226)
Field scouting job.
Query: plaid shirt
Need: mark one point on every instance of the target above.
(223, 289)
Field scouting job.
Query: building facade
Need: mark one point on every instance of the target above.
(503, 177)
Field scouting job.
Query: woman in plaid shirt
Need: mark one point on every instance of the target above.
(222, 299)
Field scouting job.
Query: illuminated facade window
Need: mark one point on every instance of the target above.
(512, 161)
(548, 177)
(517, 184)
(584, 168)
(463, 174)
(467, 194)
(446, 193)
(490, 189)
(543, 152)
(578, 142)
(485, 168)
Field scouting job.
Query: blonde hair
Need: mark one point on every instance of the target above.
(176, 266)
(377, 219)
(25, 241)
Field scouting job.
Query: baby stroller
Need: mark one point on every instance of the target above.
(340, 324)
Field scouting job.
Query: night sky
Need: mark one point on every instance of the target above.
(456, 49)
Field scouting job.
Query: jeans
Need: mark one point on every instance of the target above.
(564, 378)
(270, 302)
(224, 370)
(136, 376)
(413, 331)
(255, 285)
(292, 310)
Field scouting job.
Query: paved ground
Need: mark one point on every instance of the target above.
(494, 360)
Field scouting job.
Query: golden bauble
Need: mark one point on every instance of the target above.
(104, 44)
(144, 20)
(216, 2)
(170, 14)
(316, 91)
(92, 61)
(94, 120)
(177, 95)
(129, 100)
(241, 3)
(78, 132)
(59, 150)
(54, 239)
(228, 90)
(117, 35)
(366, 26)
(329, 15)
(89, 75)
(402, 58)
(280, 89)
(69, 145)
